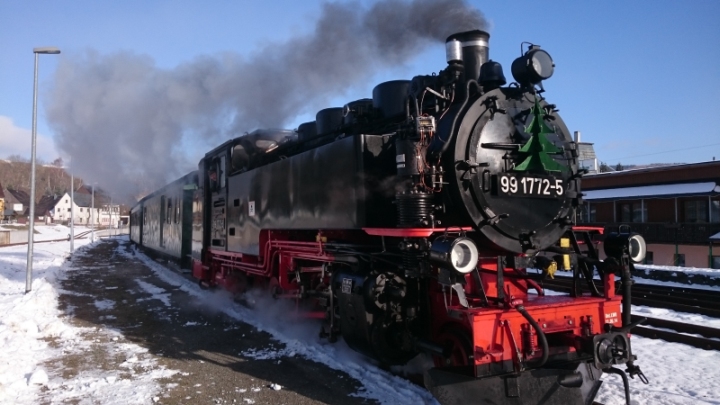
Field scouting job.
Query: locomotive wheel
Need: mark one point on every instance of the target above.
(461, 348)
(387, 338)
(273, 287)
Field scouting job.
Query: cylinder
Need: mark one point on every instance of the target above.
(356, 111)
(329, 120)
(474, 51)
(414, 209)
(307, 130)
(453, 51)
(391, 98)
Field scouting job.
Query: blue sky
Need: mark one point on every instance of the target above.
(640, 79)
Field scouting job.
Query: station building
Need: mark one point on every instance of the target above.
(676, 209)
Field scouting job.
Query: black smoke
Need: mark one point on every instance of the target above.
(131, 126)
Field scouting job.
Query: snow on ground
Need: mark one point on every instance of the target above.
(696, 271)
(33, 332)
(155, 292)
(678, 374)
(297, 339)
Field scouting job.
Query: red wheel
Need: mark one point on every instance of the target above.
(460, 348)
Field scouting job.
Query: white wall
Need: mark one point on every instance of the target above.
(81, 215)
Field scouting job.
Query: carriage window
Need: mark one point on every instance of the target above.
(169, 211)
(222, 171)
(212, 177)
(216, 173)
(239, 159)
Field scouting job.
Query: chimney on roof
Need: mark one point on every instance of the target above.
(577, 136)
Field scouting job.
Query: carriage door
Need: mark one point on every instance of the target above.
(217, 179)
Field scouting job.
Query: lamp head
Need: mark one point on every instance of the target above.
(49, 50)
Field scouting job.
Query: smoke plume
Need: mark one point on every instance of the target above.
(131, 126)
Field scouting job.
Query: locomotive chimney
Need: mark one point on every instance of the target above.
(470, 47)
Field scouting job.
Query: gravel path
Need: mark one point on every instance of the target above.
(112, 293)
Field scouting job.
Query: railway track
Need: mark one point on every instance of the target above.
(682, 299)
(678, 333)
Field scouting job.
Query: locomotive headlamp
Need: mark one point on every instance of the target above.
(617, 244)
(459, 254)
(533, 67)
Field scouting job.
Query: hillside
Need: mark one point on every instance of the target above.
(49, 179)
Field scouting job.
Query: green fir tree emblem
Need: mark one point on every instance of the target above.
(538, 149)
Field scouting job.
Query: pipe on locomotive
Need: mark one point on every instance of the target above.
(542, 339)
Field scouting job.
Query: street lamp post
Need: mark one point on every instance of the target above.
(72, 213)
(31, 228)
(92, 215)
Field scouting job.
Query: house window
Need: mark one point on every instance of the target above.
(81, 210)
(696, 211)
(633, 212)
(638, 212)
(679, 259)
(715, 211)
(715, 262)
(68, 209)
(586, 213)
(625, 211)
(648, 257)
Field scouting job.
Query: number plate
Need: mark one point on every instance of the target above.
(520, 185)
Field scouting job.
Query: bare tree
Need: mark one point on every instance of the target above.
(18, 158)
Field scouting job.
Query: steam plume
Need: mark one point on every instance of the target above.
(131, 126)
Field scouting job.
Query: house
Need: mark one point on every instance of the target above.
(675, 208)
(112, 216)
(2, 204)
(86, 209)
(80, 209)
(16, 201)
(44, 208)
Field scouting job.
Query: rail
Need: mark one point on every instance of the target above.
(678, 333)
(81, 235)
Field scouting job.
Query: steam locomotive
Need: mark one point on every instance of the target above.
(422, 220)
